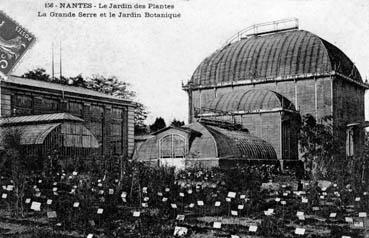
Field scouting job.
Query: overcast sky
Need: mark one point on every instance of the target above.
(156, 55)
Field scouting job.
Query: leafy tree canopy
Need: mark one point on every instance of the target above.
(177, 123)
(158, 124)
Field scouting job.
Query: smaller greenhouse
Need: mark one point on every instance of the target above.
(206, 144)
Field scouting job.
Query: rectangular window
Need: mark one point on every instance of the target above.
(97, 112)
(50, 105)
(117, 113)
(75, 108)
(23, 105)
(5, 105)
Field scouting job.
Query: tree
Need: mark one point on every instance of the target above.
(140, 117)
(320, 146)
(158, 124)
(38, 74)
(177, 123)
(13, 159)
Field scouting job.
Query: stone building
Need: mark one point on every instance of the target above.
(288, 72)
(84, 117)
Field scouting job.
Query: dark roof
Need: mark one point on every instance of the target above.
(59, 87)
(255, 100)
(273, 56)
(241, 144)
(42, 118)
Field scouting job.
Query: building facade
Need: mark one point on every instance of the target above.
(313, 75)
(110, 119)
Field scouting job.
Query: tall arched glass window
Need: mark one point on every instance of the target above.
(172, 146)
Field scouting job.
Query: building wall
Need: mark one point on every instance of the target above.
(348, 108)
(111, 122)
(320, 97)
(310, 96)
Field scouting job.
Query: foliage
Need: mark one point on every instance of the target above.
(19, 167)
(37, 74)
(158, 124)
(320, 146)
(177, 123)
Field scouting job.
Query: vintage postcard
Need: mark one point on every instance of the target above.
(184, 118)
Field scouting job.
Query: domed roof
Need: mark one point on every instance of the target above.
(250, 101)
(271, 56)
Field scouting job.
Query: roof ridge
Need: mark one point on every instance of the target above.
(62, 87)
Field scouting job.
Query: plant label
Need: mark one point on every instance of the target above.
(136, 214)
(180, 217)
(217, 225)
(217, 204)
(49, 201)
(200, 203)
(299, 214)
(76, 204)
(174, 206)
(231, 194)
(240, 207)
(253, 228)
(51, 214)
(100, 211)
(180, 231)
(36, 206)
(359, 224)
(333, 215)
(234, 213)
(299, 231)
(362, 214)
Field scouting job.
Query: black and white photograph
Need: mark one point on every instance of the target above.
(184, 118)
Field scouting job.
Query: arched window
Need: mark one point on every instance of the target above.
(172, 146)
